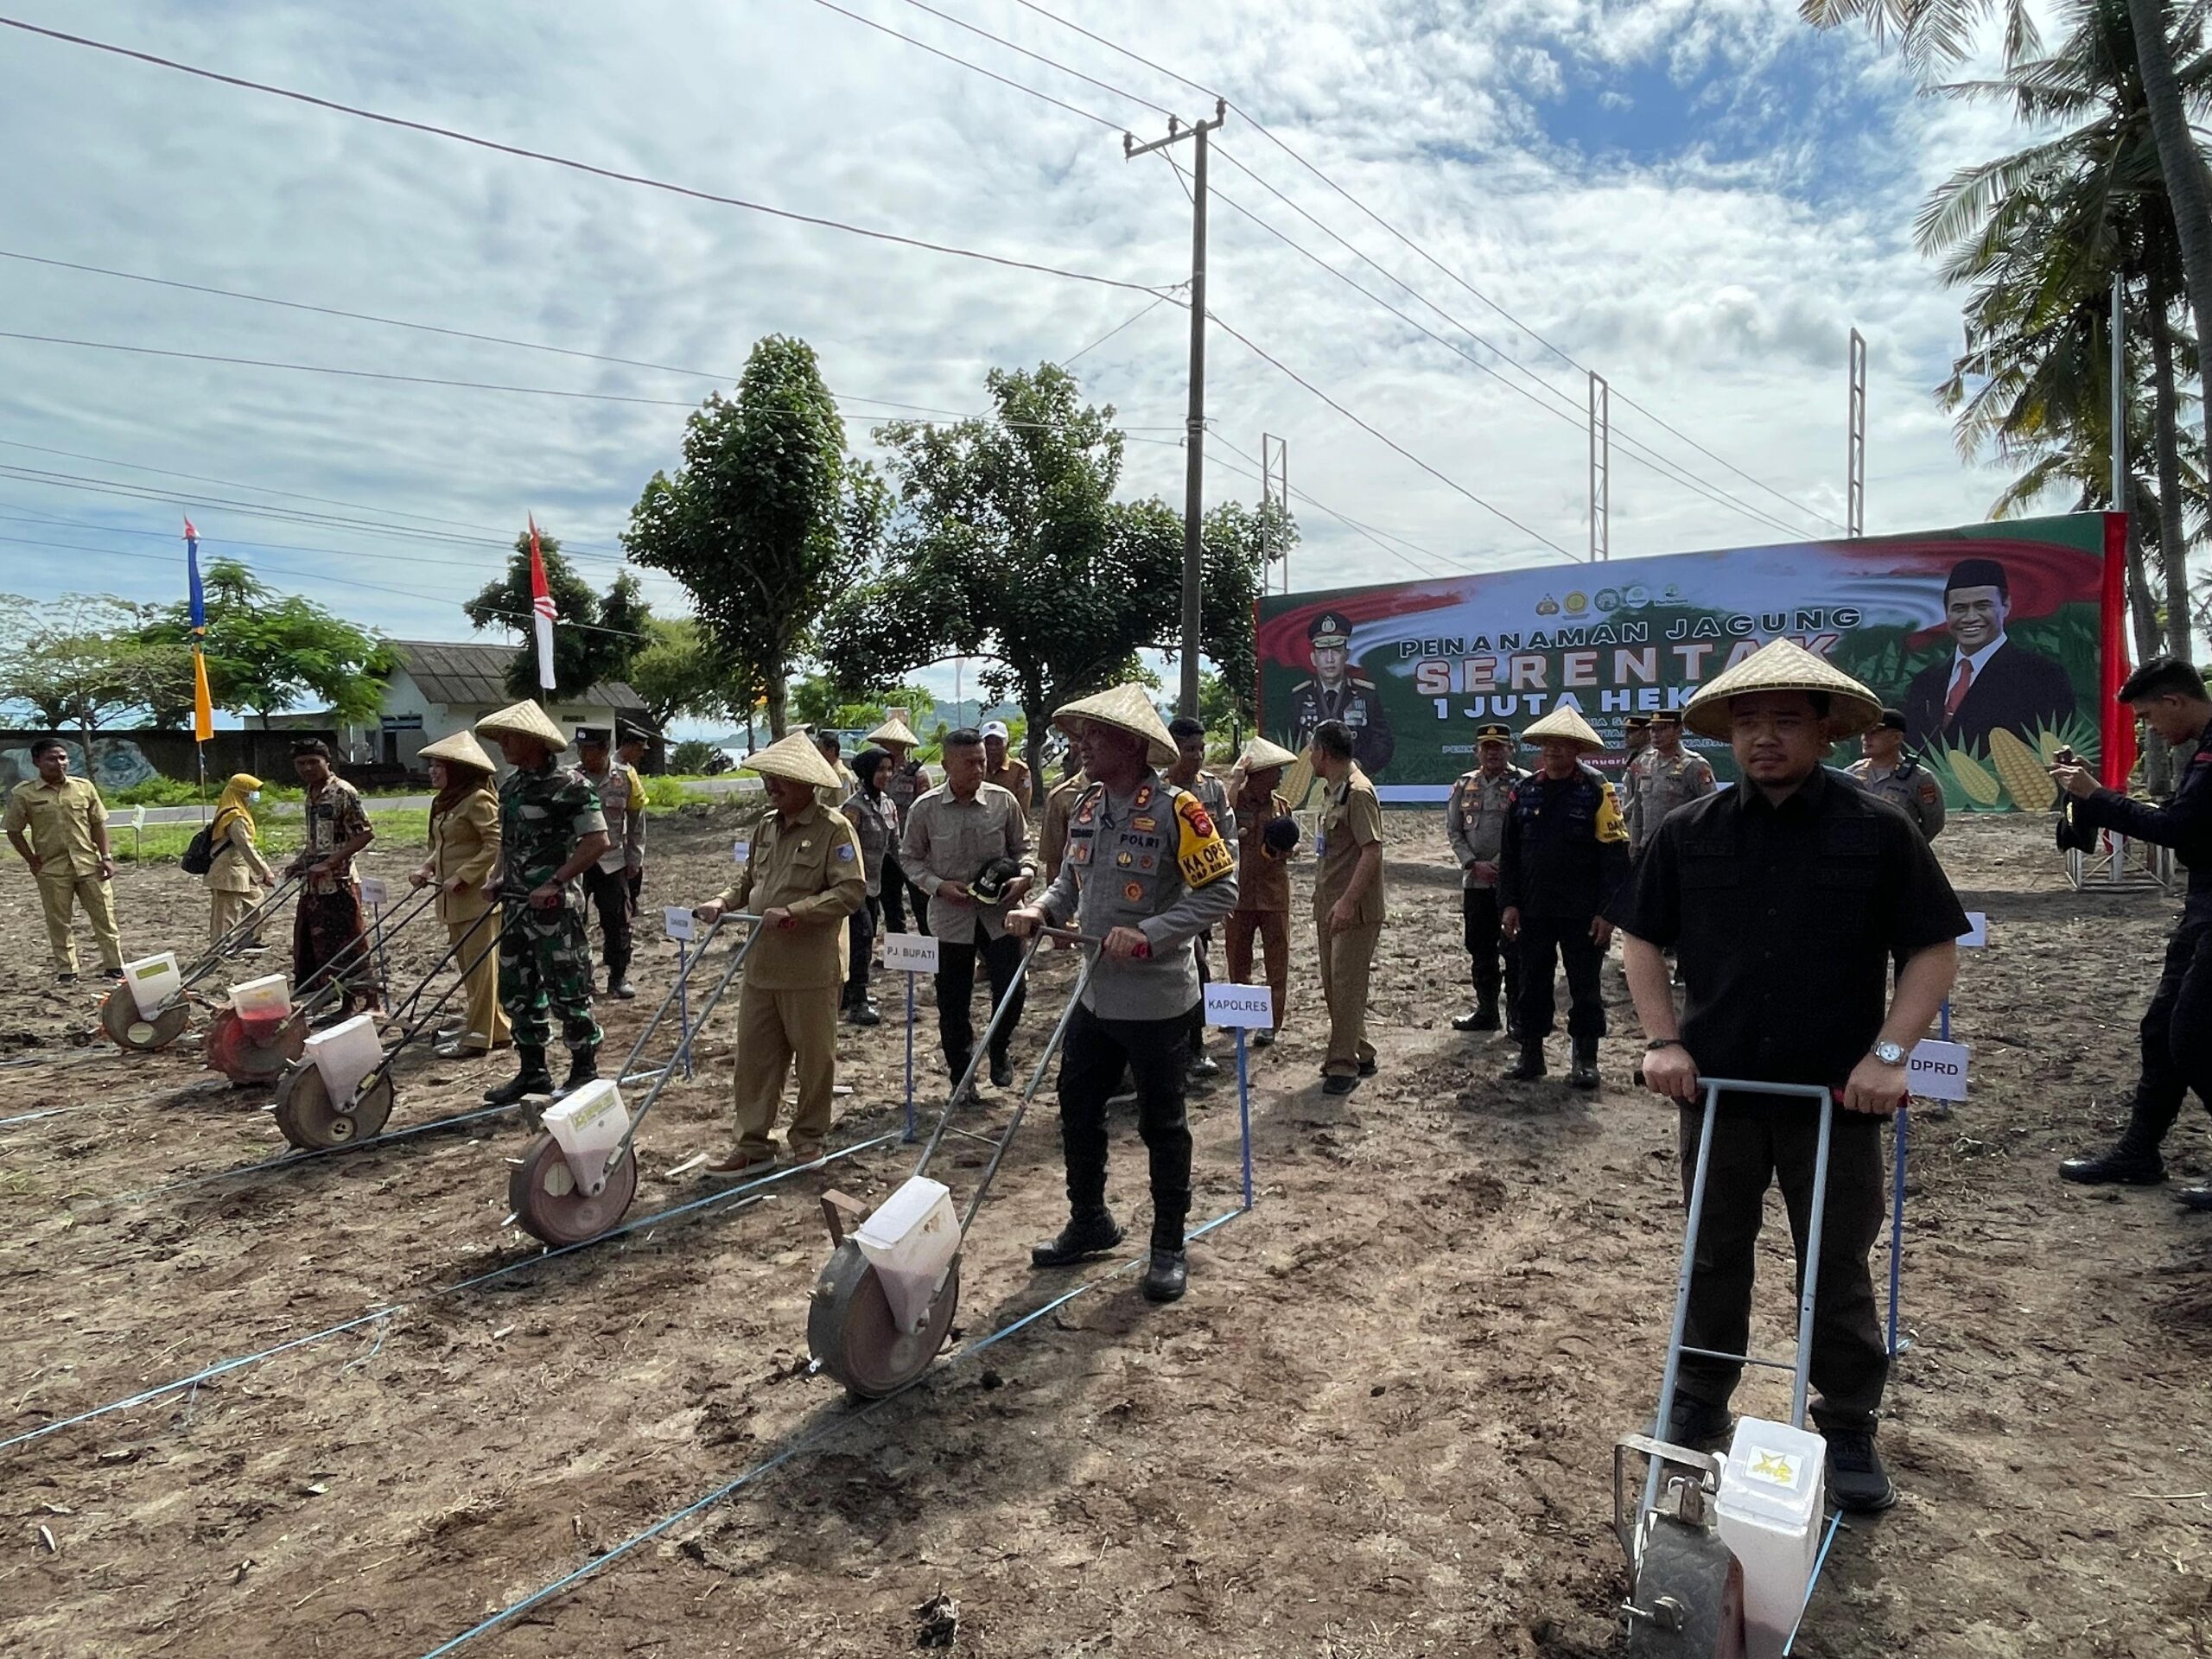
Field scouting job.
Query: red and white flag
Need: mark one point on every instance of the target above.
(541, 605)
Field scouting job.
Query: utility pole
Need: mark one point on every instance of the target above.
(1601, 468)
(1194, 424)
(1275, 491)
(1854, 491)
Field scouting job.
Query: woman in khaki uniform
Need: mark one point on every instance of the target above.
(464, 850)
(804, 879)
(238, 866)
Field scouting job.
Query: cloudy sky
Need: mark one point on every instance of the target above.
(1697, 199)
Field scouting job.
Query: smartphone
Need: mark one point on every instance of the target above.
(2065, 758)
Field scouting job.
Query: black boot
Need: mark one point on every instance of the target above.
(1167, 1275)
(532, 1079)
(1530, 1065)
(1485, 1018)
(1584, 1072)
(583, 1068)
(2132, 1162)
(1089, 1233)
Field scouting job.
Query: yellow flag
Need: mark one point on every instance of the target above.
(203, 707)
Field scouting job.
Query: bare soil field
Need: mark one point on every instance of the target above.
(1381, 1423)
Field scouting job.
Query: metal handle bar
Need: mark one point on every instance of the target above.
(423, 1019)
(967, 1078)
(1714, 1088)
(683, 976)
(706, 1009)
(390, 920)
(1021, 1107)
(241, 928)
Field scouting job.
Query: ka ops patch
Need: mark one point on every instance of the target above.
(1204, 856)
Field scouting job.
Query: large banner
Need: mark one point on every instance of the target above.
(1998, 641)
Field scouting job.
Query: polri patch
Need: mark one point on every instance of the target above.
(844, 853)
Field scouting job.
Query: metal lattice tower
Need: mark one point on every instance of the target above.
(1854, 508)
(1275, 491)
(1601, 468)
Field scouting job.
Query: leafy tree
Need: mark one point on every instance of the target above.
(694, 757)
(595, 638)
(819, 700)
(676, 673)
(82, 661)
(767, 519)
(1012, 547)
(267, 650)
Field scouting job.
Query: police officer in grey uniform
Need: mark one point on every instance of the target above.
(1189, 772)
(1888, 773)
(1474, 822)
(1336, 692)
(1663, 777)
(1145, 871)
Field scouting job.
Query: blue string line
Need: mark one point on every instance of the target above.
(224, 1367)
(697, 1506)
(1836, 1525)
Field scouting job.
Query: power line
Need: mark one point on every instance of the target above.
(643, 180)
(1280, 367)
(1405, 559)
(1039, 57)
(935, 52)
(1110, 335)
(1372, 532)
(1262, 128)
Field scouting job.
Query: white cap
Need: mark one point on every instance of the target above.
(994, 728)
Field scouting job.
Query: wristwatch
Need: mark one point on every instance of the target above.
(1658, 1043)
(1889, 1054)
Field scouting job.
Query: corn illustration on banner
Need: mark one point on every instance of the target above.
(2002, 643)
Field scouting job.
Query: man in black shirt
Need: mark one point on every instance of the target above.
(1784, 899)
(2168, 695)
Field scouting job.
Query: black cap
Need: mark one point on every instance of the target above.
(630, 732)
(1329, 628)
(591, 734)
(1491, 729)
(1637, 723)
(1978, 573)
(1665, 717)
(1893, 719)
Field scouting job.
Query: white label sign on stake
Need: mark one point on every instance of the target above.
(909, 953)
(679, 922)
(740, 851)
(1976, 937)
(1937, 1071)
(137, 817)
(372, 892)
(1251, 1006)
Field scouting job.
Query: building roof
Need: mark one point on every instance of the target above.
(474, 676)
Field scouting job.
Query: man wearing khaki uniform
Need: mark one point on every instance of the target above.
(1348, 903)
(804, 879)
(58, 824)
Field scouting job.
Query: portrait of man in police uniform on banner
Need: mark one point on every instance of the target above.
(1338, 691)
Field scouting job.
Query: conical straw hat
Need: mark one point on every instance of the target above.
(893, 731)
(462, 749)
(794, 756)
(1783, 665)
(1562, 722)
(1128, 707)
(1260, 756)
(524, 718)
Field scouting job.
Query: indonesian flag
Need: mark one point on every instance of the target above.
(541, 605)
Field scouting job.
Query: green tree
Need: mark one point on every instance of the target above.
(1012, 547)
(820, 700)
(268, 651)
(768, 519)
(82, 662)
(676, 673)
(596, 637)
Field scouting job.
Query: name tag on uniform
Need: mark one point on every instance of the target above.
(740, 851)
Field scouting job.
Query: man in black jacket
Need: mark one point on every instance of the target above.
(2169, 696)
(1987, 683)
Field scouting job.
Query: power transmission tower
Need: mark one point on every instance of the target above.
(1275, 491)
(1194, 425)
(1601, 468)
(1854, 506)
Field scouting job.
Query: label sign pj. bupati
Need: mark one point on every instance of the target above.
(678, 922)
(1937, 1071)
(1252, 1007)
(909, 953)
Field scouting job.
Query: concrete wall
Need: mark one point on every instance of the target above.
(124, 757)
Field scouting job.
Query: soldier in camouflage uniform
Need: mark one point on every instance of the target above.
(551, 830)
(1888, 773)
(1665, 776)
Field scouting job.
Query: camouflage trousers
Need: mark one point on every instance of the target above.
(545, 969)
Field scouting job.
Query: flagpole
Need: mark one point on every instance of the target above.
(203, 709)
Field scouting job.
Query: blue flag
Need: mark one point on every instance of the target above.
(192, 565)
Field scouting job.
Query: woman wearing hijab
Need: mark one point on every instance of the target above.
(237, 867)
(874, 817)
(464, 849)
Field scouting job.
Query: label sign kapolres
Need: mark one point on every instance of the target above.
(1997, 640)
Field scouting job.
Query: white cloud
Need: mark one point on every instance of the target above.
(1717, 292)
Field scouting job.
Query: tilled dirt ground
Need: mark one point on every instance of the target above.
(1382, 1422)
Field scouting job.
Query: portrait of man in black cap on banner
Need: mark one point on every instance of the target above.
(1987, 683)
(1337, 692)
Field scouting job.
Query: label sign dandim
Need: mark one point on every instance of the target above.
(1937, 1071)
(1250, 1007)
(909, 953)
(679, 922)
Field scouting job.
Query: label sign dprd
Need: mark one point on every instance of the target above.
(1251, 1007)
(909, 953)
(1937, 1071)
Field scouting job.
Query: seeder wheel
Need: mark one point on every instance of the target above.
(311, 1120)
(549, 1204)
(851, 1333)
(235, 1050)
(121, 1020)
(1694, 1585)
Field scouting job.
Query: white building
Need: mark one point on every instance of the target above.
(441, 688)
